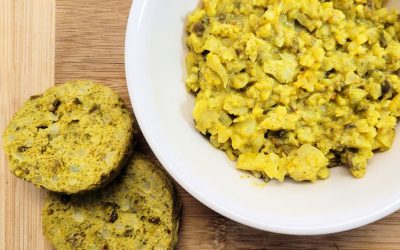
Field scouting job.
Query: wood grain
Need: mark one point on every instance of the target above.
(26, 68)
(89, 43)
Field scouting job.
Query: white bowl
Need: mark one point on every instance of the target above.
(155, 70)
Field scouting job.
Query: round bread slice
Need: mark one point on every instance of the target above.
(140, 209)
(73, 138)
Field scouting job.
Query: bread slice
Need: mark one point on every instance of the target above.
(140, 209)
(73, 138)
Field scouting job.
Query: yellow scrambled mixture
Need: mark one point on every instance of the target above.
(292, 88)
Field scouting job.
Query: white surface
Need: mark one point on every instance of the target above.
(156, 72)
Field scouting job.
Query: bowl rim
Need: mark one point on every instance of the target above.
(132, 32)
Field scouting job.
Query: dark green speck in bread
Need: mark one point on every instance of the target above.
(140, 209)
(72, 138)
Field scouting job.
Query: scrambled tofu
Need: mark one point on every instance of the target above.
(292, 88)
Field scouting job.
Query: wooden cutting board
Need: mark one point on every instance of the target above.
(41, 43)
